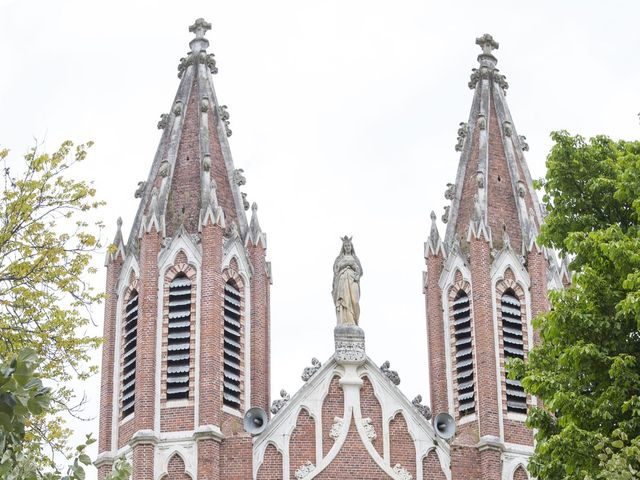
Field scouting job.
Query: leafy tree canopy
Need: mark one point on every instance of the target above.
(46, 244)
(586, 371)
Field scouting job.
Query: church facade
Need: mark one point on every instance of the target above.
(186, 333)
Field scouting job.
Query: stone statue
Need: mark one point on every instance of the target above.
(346, 284)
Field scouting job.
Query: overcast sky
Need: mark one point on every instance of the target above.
(344, 118)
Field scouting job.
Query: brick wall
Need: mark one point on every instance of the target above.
(108, 355)
(353, 462)
(302, 442)
(260, 354)
(271, 467)
(235, 458)
(402, 449)
(431, 468)
(370, 408)
(209, 459)
(332, 407)
(435, 336)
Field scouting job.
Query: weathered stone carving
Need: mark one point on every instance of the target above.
(450, 192)
(390, 374)
(311, 371)
(245, 202)
(523, 143)
(204, 104)
(445, 215)
(506, 239)
(224, 116)
(196, 58)
(305, 470)
(482, 122)
(177, 108)
(501, 80)
(521, 189)
(487, 43)
(206, 162)
(140, 190)
(277, 405)
(478, 213)
(347, 271)
(422, 409)
(507, 128)
(369, 429)
(480, 179)
(402, 472)
(163, 171)
(463, 130)
(336, 428)
(238, 177)
(164, 121)
(350, 351)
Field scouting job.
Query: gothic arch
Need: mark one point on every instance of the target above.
(176, 469)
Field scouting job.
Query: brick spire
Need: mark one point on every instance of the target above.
(192, 178)
(493, 184)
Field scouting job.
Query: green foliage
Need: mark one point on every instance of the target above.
(23, 398)
(46, 244)
(586, 371)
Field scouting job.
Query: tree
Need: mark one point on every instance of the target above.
(46, 244)
(586, 370)
(22, 398)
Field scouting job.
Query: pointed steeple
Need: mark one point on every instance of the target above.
(192, 178)
(256, 234)
(493, 184)
(433, 245)
(117, 248)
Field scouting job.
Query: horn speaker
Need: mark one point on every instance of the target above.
(255, 420)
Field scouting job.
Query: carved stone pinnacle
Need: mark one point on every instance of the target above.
(200, 27)
(487, 43)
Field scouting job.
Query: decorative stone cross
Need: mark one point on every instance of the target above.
(200, 27)
(487, 43)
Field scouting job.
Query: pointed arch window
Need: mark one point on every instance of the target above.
(130, 343)
(179, 338)
(513, 344)
(232, 345)
(464, 353)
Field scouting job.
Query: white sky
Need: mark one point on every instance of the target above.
(344, 118)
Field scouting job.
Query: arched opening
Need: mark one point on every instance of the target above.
(464, 353)
(232, 345)
(513, 344)
(129, 342)
(179, 338)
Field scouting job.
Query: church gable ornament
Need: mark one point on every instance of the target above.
(422, 409)
(463, 130)
(347, 271)
(336, 428)
(402, 472)
(305, 470)
(277, 405)
(369, 429)
(311, 371)
(390, 374)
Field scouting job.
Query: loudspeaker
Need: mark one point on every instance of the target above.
(445, 426)
(255, 420)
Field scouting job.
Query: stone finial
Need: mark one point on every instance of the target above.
(119, 223)
(422, 409)
(238, 177)
(434, 236)
(488, 44)
(523, 143)
(445, 215)
(390, 374)
(463, 130)
(223, 113)
(163, 122)
(277, 405)
(311, 371)
(140, 190)
(245, 202)
(450, 192)
(200, 27)
(255, 234)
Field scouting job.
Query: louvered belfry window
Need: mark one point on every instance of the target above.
(179, 338)
(232, 346)
(464, 353)
(130, 341)
(513, 340)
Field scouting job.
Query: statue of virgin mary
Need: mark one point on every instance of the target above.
(346, 284)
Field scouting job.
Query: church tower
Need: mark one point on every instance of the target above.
(484, 284)
(186, 330)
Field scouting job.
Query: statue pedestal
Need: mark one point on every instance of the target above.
(349, 341)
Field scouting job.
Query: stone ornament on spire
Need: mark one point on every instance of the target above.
(487, 64)
(198, 53)
(488, 44)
